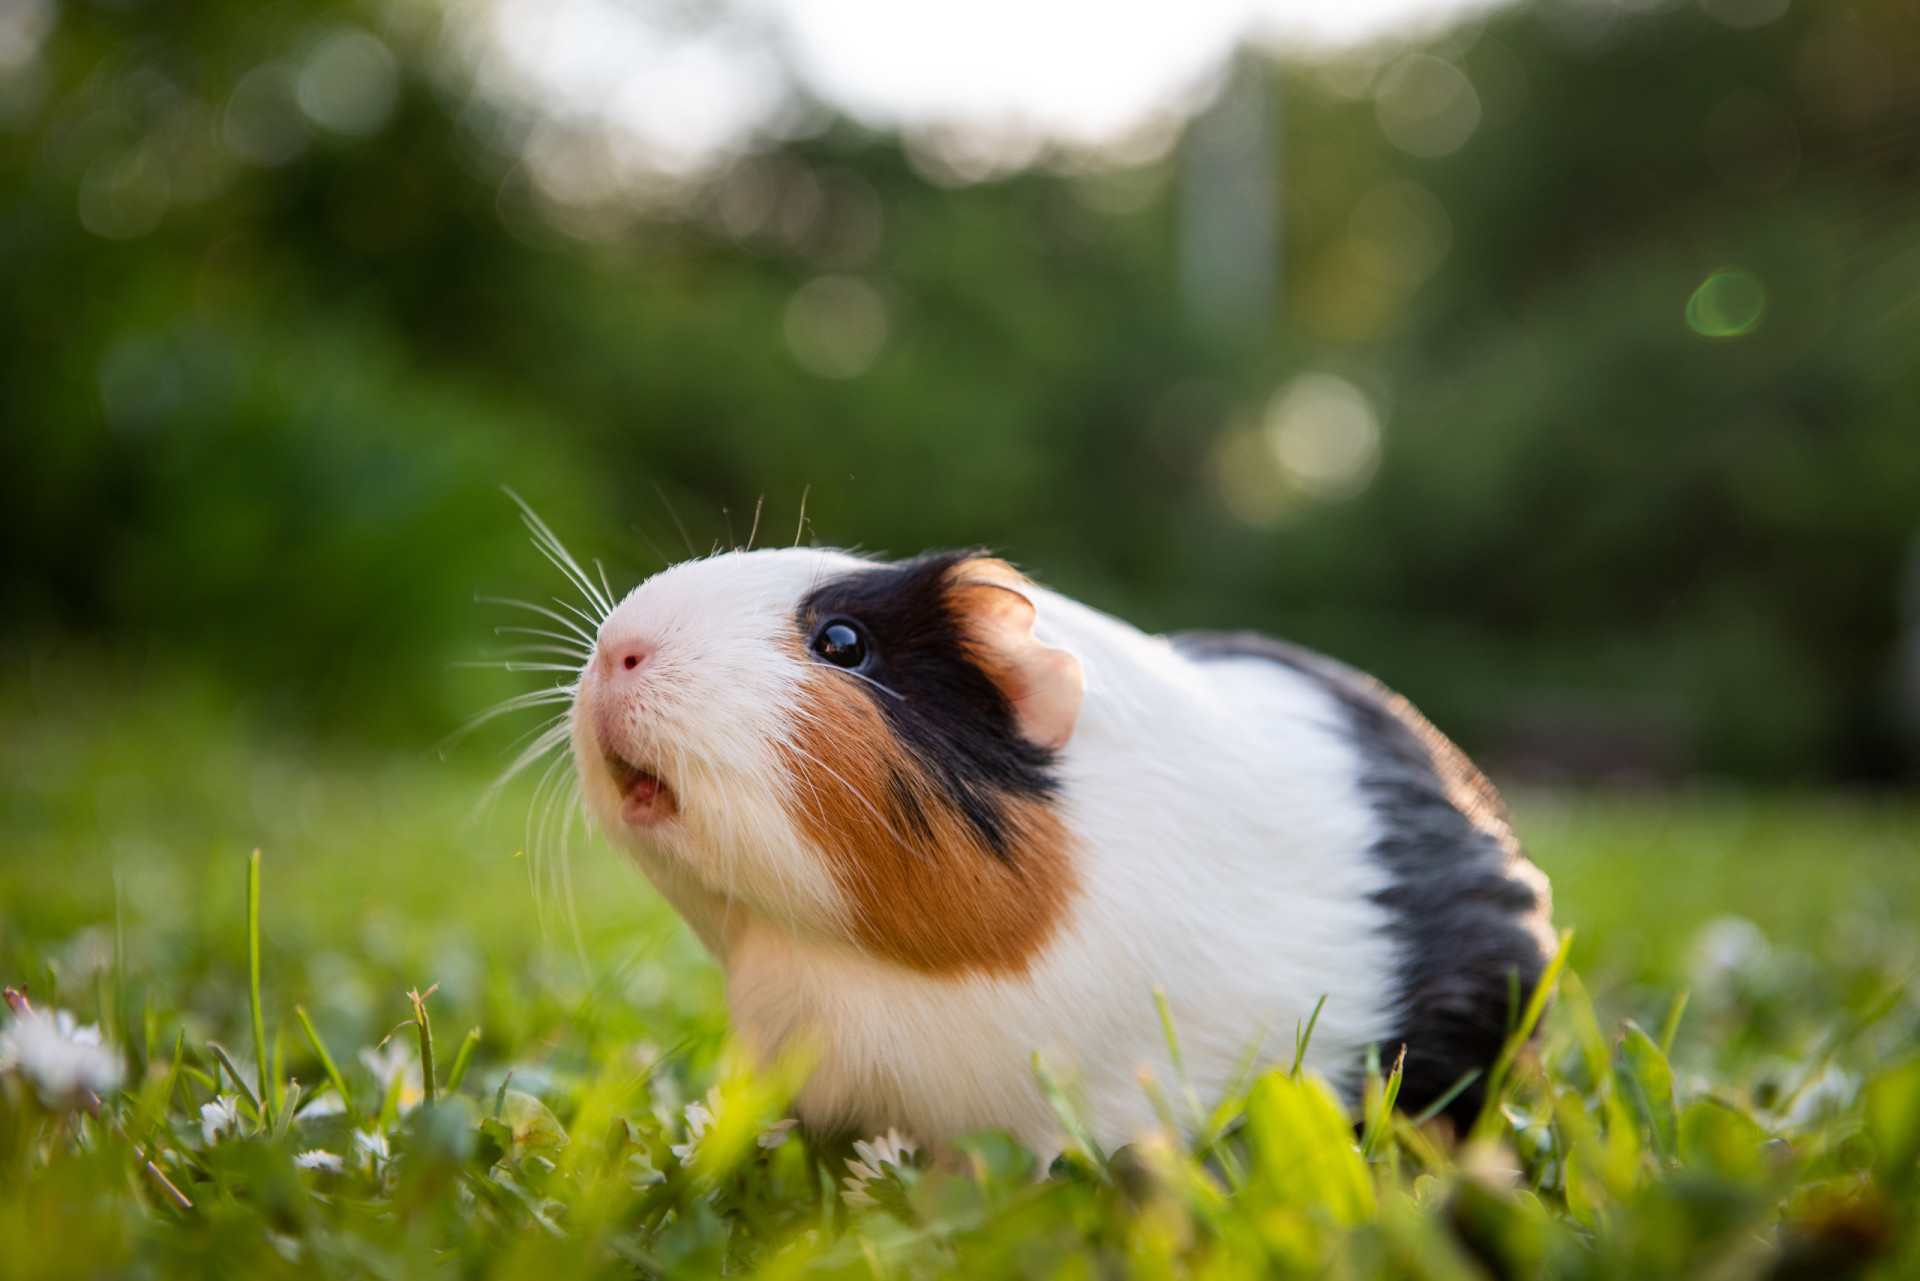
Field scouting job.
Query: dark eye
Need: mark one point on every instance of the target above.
(842, 642)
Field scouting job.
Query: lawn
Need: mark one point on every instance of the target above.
(601, 1125)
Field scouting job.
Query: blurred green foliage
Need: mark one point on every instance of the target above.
(255, 413)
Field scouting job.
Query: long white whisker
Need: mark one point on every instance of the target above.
(554, 550)
(561, 619)
(652, 546)
(539, 828)
(605, 585)
(851, 791)
(554, 736)
(589, 619)
(518, 703)
(520, 665)
(677, 523)
(564, 651)
(557, 721)
(565, 638)
(845, 671)
(569, 810)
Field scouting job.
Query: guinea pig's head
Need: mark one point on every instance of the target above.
(852, 750)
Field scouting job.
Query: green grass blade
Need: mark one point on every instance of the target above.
(1536, 1005)
(1303, 1037)
(1179, 1061)
(253, 979)
(326, 1060)
(425, 1028)
(1439, 1105)
(463, 1060)
(239, 1082)
(1670, 1026)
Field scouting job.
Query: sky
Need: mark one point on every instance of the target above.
(682, 85)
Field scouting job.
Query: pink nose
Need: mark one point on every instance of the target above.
(625, 658)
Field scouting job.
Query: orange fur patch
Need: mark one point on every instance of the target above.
(927, 892)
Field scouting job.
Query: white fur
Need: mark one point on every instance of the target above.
(1219, 837)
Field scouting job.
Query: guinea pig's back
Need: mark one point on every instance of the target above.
(1224, 844)
(1466, 911)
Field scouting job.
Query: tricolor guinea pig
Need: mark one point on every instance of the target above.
(933, 817)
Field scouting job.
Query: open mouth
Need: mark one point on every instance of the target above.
(645, 797)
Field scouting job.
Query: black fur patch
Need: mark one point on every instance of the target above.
(1467, 924)
(946, 711)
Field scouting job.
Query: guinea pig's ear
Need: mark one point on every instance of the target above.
(1044, 685)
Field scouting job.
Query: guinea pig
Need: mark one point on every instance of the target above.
(933, 818)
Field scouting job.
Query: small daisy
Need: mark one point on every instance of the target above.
(392, 1062)
(66, 1062)
(326, 1103)
(776, 1134)
(372, 1145)
(320, 1159)
(698, 1119)
(884, 1151)
(1822, 1097)
(222, 1116)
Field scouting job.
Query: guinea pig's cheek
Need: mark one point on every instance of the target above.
(923, 888)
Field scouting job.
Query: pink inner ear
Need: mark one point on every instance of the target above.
(1045, 685)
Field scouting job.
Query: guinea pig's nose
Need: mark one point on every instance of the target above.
(626, 658)
(617, 656)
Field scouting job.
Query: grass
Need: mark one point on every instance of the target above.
(1726, 1087)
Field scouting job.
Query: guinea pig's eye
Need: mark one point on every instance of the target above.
(842, 642)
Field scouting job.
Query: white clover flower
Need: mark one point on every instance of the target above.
(372, 1145)
(320, 1159)
(326, 1103)
(222, 1116)
(1727, 952)
(1822, 1097)
(65, 1061)
(698, 1119)
(392, 1062)
(884, 1151)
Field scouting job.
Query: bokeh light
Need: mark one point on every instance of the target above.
(836, 326)
(349, 84)
(1325, 434)
(1319, 439)
(1427, 107)
(1400, 231)
(1726, 305)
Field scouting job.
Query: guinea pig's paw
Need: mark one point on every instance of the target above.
(1044, 685)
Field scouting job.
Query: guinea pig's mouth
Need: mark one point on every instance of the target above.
(645, 796)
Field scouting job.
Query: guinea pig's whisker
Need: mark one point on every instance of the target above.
(605, 586)
(519, 665)
(559, 652)
(584, 616)
(549, 736)
(861, 676)
(541, 834)
(518, 703)
(565, 798)
(561, 619)
(758, 504)
(554, 550)
(852, 791)
(565, 638)
(677, 522)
